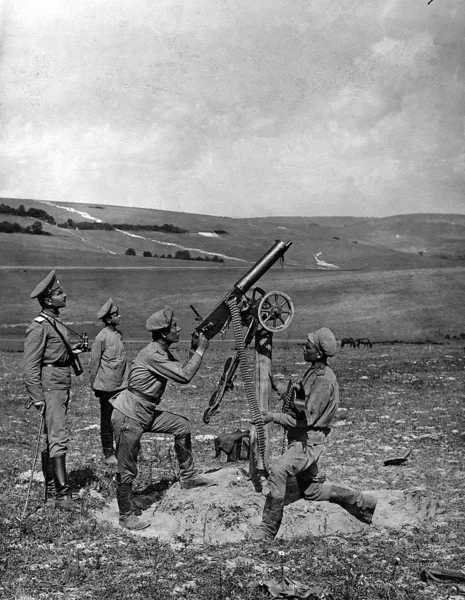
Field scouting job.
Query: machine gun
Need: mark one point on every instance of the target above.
(273, 311)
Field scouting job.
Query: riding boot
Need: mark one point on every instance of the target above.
(271, 519)
(127, 512)
(361, 505)
(48, 476)
(189, 477)
(63, 497)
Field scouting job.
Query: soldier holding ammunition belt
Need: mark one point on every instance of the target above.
(108, 371)
(308, 423)
(135, 411)
(47, 375)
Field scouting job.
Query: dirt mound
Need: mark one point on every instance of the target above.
(225, 512)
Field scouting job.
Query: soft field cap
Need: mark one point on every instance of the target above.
(324, 340)
(106, 309)
(159, 320)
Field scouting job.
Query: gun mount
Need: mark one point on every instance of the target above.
(273, 311)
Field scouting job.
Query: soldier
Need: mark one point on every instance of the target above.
(135, 411)
(108, 371)
(308, 423)
(46, 371)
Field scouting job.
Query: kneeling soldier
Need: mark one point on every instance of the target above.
(308, 423)
(47, 375)
(135, 411)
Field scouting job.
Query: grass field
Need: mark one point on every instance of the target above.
(412, 305)
(393, 398)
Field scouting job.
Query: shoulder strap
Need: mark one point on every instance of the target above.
(73, 359)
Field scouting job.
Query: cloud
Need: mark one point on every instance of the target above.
(237, 108)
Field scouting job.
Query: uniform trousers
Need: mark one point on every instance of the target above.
(55, 437)
(106, 429)
(128, 433)
(300, 460)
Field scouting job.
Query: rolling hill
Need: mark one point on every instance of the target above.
(346, 243)
(382, 278)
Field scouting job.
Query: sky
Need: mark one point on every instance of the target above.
(235, 108)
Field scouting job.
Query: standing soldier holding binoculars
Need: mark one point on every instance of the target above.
(47, 362)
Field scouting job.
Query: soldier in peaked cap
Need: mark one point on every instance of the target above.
(47, 375)
(108, 372)
(136, 411)
(308, 423)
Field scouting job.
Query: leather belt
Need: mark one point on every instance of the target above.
(56, 364)
(141, 394)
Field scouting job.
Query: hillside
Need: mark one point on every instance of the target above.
(345, 243)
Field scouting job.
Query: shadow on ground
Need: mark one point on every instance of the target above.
(227, 511)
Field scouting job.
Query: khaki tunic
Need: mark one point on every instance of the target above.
(315, 406)
(108, 364)
(43, 348)
(47, 375)
(149, 374)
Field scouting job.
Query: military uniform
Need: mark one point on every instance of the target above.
(108, 373)
(308, 423)
(47, 376)
(136, 412)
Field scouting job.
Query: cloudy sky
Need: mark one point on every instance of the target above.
(235, 107)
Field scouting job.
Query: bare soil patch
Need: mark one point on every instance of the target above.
(225, 512)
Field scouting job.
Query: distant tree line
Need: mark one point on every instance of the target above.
(35, 213)
(35, 229)
(83, 225)
(180, 255)
(70, 224)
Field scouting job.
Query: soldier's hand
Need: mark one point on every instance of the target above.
(202, 343)
(267, 416)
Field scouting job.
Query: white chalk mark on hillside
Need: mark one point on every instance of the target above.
(179, 247)
(72, 232)
(322, 264)
(78, 212)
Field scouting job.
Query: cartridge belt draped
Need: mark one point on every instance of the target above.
(143, 396)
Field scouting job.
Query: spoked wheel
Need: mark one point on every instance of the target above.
(275, 311)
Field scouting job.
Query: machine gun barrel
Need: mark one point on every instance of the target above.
(219, 317)
(262, 266)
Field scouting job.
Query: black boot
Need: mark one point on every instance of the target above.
(359, 504)
(63, 497)
(127, 516)
(271, 519)
(188, 475)
(48, 476)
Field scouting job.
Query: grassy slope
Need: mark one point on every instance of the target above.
(407, 304)
(392, 399)
(377, 247)
(378, 292)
